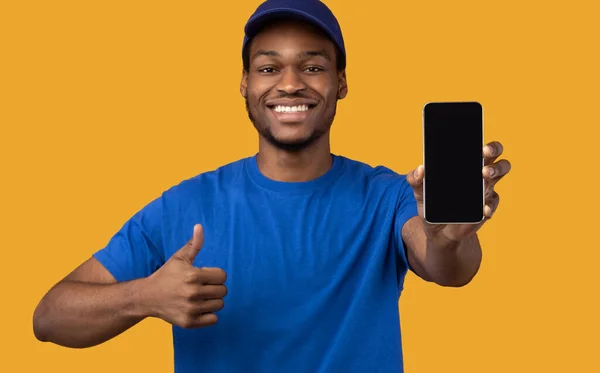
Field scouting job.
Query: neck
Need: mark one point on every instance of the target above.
(305, 165)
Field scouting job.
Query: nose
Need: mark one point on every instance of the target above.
(291, 82)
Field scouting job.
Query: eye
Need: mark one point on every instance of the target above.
(266, 70)
(313, 69)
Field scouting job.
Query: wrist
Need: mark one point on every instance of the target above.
(142, 304)
(445, 244)
(442, 244)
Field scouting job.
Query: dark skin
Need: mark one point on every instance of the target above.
(89, 307)
(291, 64)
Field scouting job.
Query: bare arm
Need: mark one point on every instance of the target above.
(89, 307)
(445, 263)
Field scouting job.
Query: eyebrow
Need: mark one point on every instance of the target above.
(266, 53)
(320, 53)
(302, 55)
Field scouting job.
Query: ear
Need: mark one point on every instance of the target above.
(244, 84)
(342, 85)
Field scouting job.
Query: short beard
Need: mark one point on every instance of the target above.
(290, 146)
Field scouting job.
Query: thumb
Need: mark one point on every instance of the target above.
(415, 180)
(193, 246)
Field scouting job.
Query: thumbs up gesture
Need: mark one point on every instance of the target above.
(184, 295)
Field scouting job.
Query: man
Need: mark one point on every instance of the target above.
(309, 249)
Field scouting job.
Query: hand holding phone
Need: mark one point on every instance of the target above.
(455, 189)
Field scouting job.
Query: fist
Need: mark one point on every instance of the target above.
(184, 295)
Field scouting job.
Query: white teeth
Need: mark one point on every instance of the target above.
(290, 109)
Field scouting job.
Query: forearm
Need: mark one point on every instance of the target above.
(78, 314)
(453, 263)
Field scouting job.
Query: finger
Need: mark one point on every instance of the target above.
(207, 319)
(212, 276)
(494, 172)
(211, 305)
(492, 151)
(213, 291)
(415, 180)
(189, 251)
(197, 292)
(491, 204)
(198, 321)
(204, 306)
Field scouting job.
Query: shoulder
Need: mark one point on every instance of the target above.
(207, 183)
(379, 176)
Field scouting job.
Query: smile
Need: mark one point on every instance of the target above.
(290, 113)
(290, 109)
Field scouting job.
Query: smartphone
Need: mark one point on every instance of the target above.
(453, 186)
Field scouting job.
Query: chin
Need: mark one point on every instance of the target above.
(291, 143)
(291, 139)
(293, 135)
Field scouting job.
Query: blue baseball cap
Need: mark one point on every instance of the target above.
(312, 11)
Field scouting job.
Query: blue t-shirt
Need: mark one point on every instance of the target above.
(314, 269)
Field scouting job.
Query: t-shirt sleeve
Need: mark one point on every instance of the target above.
(136, 250)
(406, 208)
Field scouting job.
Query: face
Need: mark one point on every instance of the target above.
(292, 85)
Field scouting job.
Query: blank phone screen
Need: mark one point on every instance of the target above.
(453, 160)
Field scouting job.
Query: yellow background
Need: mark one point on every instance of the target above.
(106, 104)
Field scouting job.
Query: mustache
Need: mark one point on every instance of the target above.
(292, 95)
